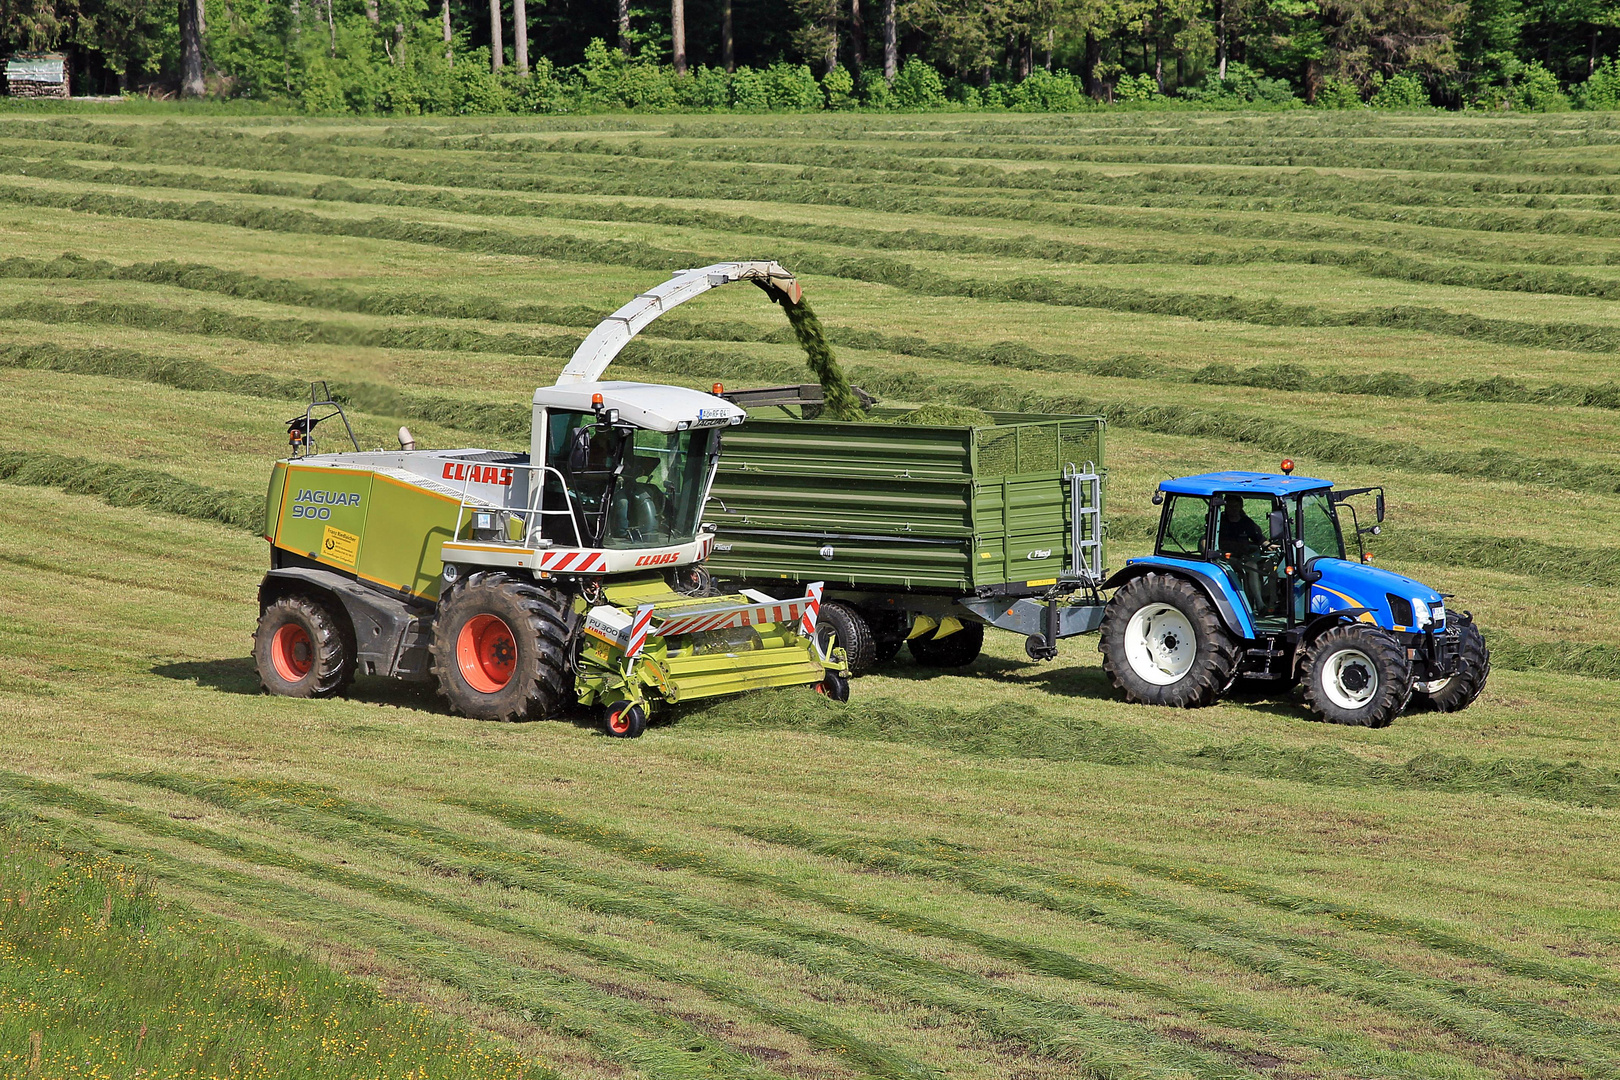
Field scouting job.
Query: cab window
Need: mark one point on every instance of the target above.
(1186, 522)
(1319, 526)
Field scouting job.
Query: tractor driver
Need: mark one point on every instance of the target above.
(1240, 542)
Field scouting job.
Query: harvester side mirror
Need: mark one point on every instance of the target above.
(579, 449)
(1279, 526)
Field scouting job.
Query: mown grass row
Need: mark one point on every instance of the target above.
(201, 277)
(1579, 337)
(1592, 565)
(1370, 261)
(305, 808)
(1479, 1016)
(1039, 1025)
(891, 182)
(878, 1060)
(97, 969)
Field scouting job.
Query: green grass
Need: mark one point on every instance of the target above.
(100, 977)
(992, 872)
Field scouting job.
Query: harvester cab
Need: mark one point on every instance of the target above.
(1249, 579)
(527, 583)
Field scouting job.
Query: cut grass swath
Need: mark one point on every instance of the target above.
(881, 1061)
(126, 485)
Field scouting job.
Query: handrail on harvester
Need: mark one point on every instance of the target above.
(613, 333)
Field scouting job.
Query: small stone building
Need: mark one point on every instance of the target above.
(37, 75)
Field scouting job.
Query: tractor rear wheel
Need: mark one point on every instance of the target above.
(842, 625)
(951, 651)
(1456, 693)
(503, 649)
(1356, 674)
(303, 648)
(1163, 644)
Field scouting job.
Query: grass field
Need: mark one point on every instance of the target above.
(1003, 872)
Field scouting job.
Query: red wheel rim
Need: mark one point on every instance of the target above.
(292, 652)
(619, 721)
(486, 652)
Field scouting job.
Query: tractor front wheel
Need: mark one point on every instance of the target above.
(303, 648)
(1457, 692)
(1356, 674)
(1163, 644)
(954, 650)
(503, 649)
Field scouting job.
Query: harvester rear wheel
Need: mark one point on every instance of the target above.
(1163, 644)
(1459, 691)
(503, 649)
(303, 649)
(847, 628)
(1356, 674)
(951, 651)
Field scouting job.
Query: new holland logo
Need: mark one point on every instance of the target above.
(1038, 554)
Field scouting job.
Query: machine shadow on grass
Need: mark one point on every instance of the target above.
(1069, 681)
(237, 675)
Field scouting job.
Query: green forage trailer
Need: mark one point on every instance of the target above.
(924, 534)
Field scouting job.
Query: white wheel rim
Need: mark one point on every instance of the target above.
(1160, 644)
(1351, 679)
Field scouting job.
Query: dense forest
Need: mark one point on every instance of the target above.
(479, 56)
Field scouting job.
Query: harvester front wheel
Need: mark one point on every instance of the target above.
(503, 649)
(1456, 693)
(843, 624)
(1163, 644)
(1356, 674)
(303, 649)
(622, 720)
(954, 650)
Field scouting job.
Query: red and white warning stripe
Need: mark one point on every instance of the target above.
(812, 609)
(737, 615)
(578, 562)
(639, 627)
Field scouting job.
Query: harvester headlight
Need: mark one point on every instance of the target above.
(1420, 613)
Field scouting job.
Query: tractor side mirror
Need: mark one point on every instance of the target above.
(1378, 505)
(1279, 526)
(1158, 498)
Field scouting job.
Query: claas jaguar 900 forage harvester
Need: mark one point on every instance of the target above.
(528, 583)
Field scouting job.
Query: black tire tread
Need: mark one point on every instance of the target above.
(549, 623)
(333, 639)
(952, 651)
(852, 634)
(1218, 654)
(1469, 682)
(1396, 682)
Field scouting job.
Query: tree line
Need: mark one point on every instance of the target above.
(412, 56)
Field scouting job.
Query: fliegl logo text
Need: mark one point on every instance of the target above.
(658, 560)
(478, 474)
(317, 505)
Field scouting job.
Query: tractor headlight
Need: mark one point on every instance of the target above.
(1420, 613)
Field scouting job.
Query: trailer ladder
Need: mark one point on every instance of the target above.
(1085, 522)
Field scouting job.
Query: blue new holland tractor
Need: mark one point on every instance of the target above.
(1249, 580)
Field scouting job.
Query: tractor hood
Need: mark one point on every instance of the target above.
(1345, 584)
(646, 405)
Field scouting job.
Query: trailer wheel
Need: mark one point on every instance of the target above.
(303, 649)
(953, 651)
(1356, 674)
(888, 634)
(848, 628)
(1163, 644)
(622, 720)
(503, 649)
(1456, 693)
